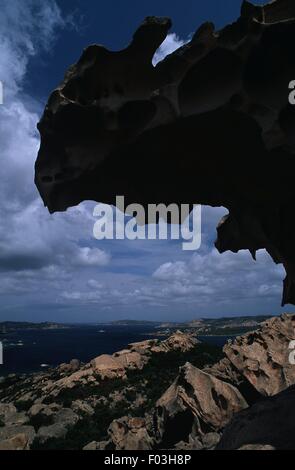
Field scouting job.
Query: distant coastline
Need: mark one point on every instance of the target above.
(229, 326)
(135, 323)
(10, 326)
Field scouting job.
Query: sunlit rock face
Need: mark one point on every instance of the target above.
(210, 124)
(260, 358)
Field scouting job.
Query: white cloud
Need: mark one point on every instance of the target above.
(94, 284)
(171, 43)
(91, 257)
(25, 27)
(35, 248)
(170, 271)
(212, 277)
(207, 283)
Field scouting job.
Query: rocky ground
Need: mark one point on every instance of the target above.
(172, 394)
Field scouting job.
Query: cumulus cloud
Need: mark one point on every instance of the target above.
(25, 27)
(205, 283)
(221, 278)
(91, 257)
(35, 248)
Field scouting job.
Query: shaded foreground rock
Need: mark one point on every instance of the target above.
(269, 423)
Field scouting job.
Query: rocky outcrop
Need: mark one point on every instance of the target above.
(72, 367)
(143, 347)
(103, 445)
(130, 434)
(41, 423)
(104, 367)
(43, 411)
(220, 101)
(107, 367)
(196, 404)
(178, 341)
(126, 434)
(81, 377)
(131, 359)
(261, 357)
(82, 408)
(62, 422)
(16, 436)
(17, 442)
(221, 406)
(7, 410)
(9, 417)
(269, 424)
(190, 415)
(138, 354)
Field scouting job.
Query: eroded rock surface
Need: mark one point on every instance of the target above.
(210, 124)
(107, 367)
(261, 357)
(196, 404)
(178, 341)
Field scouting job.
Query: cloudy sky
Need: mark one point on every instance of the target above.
(51, 267)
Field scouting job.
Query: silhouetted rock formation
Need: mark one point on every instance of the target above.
(210, 124)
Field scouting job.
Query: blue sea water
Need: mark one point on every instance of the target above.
(28, 350)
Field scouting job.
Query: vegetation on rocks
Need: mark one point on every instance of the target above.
(149, 384)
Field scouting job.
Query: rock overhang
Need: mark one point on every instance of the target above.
(209, 124)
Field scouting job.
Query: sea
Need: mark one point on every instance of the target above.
(26, 351)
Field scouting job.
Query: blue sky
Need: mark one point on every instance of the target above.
(112, 23)
(51, 267)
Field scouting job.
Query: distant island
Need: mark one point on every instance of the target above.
(226, 326)
(9, 326)
(135, 323)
